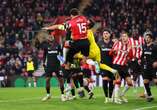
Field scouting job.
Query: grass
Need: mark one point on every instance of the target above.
(30, 99)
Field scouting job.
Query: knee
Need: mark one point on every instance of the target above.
(129, 81)
(105, 78)
(117, 82)
(130, 84)
(145, 81)
(155, 81)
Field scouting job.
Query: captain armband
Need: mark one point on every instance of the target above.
(61, 27)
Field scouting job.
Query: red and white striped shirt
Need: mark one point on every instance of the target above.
(120, 56)
(136, 47)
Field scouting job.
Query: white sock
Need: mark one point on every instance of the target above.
(126, 88)
(145, 92)
(91, 86)
(48, 95)
(65, 51)
(116, 91)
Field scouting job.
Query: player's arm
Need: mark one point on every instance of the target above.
(53, 27)
(113, 51)
(154, 56)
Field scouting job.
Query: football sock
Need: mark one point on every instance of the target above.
(105, 87)
(87, 88)
(80, 79)
(73, 92)
(148, 89)
(126, 88)
(111, 87)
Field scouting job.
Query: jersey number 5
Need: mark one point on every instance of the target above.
(82, 27)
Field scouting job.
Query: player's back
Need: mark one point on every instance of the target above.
(78, 27)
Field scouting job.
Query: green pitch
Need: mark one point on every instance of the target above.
(30, 99)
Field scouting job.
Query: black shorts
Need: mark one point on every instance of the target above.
(49, 71)
(122, 70)
(75, 72)
(67, 73)
(30, 73)
(136, 69)
(78, 46)
(87, 73)
(149, 74)
(108, 74)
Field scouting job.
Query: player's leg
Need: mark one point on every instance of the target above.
(87, 81)
(67, 78)
(148, 76)
(148, 89)
(61, 84)
(29, 79)
(135, 71)
(69, 86)
(48, 95)
(105, 67)
(106, 89)
(72, 92)
(48, 75)
(111, 86)
(116, 93)
(105, 83)
(66, 49)
(155, 77)
(117, 84)
(80, 90)
(76, 84)
(125, 75)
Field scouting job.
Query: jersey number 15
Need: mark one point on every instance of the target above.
(82, 27)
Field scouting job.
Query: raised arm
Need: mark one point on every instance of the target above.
(53, 27)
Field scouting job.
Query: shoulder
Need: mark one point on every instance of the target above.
(44, 45)
(111, 42)
(100, 42)
(81, 16)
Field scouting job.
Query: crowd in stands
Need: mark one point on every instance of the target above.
(20, 20)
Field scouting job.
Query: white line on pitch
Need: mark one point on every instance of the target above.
(26, 99)
(144, 108)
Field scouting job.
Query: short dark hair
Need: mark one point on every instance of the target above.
(150, 35)
(107, 30)
(74, 12)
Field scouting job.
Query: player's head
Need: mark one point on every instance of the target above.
(124, 37)
(91, 23)
(74, 12)
(106, 34)
(50, 38)
(148, 37)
